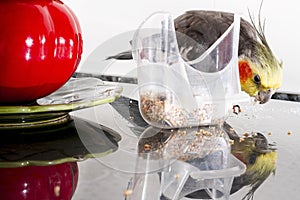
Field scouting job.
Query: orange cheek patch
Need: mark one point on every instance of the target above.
(245, 71)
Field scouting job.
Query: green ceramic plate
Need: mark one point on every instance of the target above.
(77, 93)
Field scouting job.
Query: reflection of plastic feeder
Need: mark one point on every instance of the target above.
(184, 179)
(174, 93)
(189, 160)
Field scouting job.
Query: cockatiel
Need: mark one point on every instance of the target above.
(257, 154)
(260, 71)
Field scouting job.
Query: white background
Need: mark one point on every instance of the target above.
(102, 20)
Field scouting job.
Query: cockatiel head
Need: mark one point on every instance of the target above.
(257, 154)
(260, 71)
(260, 162)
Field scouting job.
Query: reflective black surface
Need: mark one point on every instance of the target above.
(118, 125)
(278, 121)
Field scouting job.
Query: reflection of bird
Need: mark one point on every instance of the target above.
(259, 157)
(260, 71)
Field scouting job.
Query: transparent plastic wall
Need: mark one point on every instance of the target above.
(175, 93)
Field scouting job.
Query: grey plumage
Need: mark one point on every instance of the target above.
(197, 30)
(205, 27)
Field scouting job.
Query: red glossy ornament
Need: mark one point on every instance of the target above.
(39, 182)
(40, 48)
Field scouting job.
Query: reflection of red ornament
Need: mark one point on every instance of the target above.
(39, 182)
(40, 48)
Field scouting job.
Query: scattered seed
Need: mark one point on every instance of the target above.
(246, 135)
(289, 133)
(236, 109)
(127, 193)
(231, 142)
(57, 191)
(198, 134)
(147, 147)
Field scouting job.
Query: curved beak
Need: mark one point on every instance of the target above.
(264, 96)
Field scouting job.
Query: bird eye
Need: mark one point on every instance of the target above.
(252, 158)
(256, 79)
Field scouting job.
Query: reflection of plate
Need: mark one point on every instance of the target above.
(55, 145)
(77, 93)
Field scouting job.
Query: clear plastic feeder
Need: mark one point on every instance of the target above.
(175, 93)
(176, 163)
